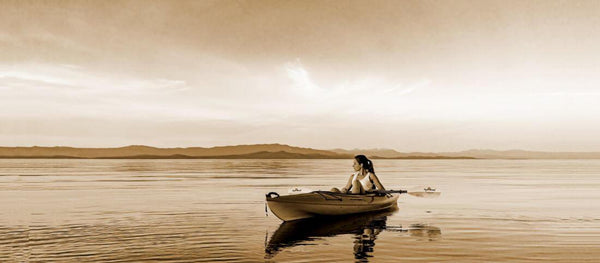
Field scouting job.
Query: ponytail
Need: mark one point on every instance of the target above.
(371, 168)
(365, 162)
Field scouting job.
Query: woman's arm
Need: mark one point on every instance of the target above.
(348, 184)
(376, 182)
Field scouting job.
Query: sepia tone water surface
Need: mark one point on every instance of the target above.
(213, 210)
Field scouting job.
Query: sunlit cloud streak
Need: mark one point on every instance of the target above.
(362, 94)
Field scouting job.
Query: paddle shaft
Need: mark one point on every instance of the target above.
(427, 194)
(393, 192)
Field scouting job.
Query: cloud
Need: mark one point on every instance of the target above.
(68, 90)
(78, 79)
(302, 81)
(366, 94)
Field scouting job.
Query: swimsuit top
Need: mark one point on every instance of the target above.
(366, 181)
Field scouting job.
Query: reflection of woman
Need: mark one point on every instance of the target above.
(364, 243)
(363, 180)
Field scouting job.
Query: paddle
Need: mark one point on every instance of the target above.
(426, 192)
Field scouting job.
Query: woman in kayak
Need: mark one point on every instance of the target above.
(364, 180)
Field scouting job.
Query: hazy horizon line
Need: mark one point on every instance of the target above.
(305, 147)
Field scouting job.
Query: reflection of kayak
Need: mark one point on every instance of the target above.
(323, 203)
(291, 233)
(364, 228)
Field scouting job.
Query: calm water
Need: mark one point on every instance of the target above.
(213, 210)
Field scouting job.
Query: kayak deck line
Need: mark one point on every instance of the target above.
(319, 204)
(325, 195)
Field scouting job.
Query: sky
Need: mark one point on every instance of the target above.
(405, 75)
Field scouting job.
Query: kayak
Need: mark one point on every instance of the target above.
(325, 203)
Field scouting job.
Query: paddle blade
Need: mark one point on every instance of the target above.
(424, 191)
(298, 190)
(425, 194)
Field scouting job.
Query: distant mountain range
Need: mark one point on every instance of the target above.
(475, 154)
(270, 151)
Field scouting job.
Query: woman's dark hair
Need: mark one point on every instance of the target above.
(365, 162)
